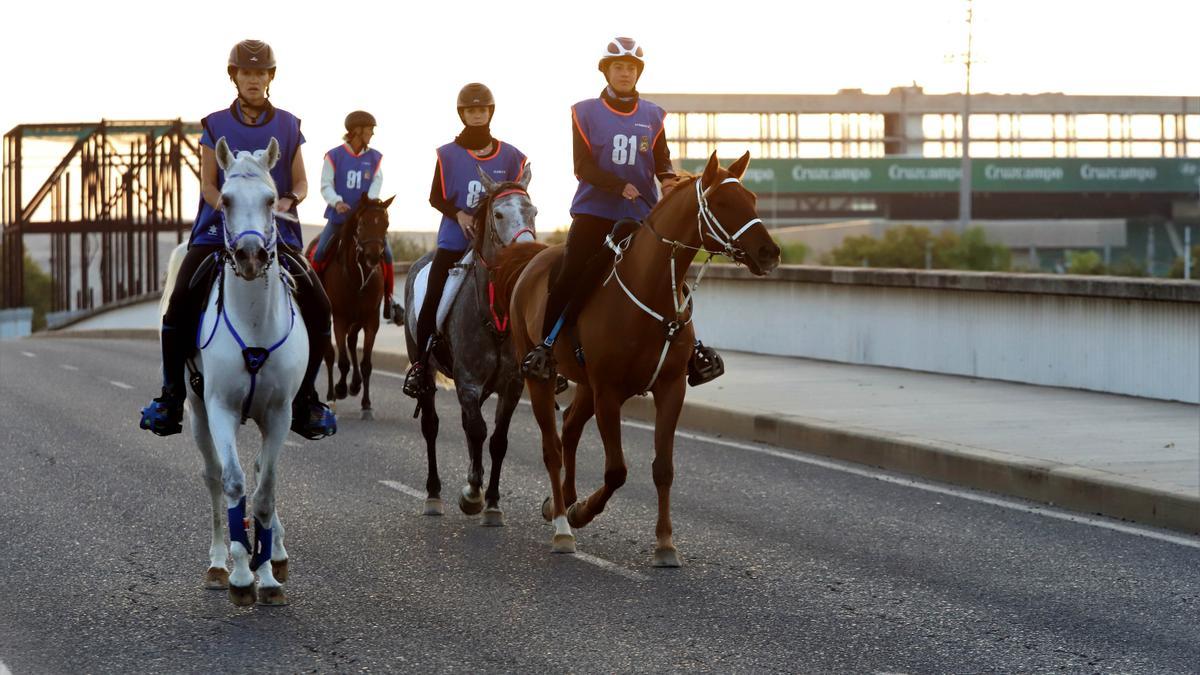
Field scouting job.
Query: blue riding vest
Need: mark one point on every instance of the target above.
(623, 145)
(352, 176)
(228, 123)
(461, 185)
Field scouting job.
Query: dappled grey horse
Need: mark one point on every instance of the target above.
(472, 346)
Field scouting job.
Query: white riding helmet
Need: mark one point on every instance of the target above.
(622, 49)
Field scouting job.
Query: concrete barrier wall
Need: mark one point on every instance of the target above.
(1125, 336)
(16, 322)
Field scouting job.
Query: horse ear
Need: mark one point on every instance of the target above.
(272, 155)
(389, 201)
(738, 168)
(526, 176)
(488, 184)
(710, 171)
(224, 154)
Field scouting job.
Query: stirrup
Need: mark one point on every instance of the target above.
(560, 384)
(416, 381)
(164, 415)
(397, 314)
(313, 419)
(705, 365)
(539, 363)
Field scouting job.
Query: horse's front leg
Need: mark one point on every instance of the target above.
(368, 348)
(574, 422)
(339, 339)
(668, 402)
(266, 558)
(506, 403)
(223, 424)
(470, 398)
(352, 345)
(329, 355)
(429, 429)
(217, 576)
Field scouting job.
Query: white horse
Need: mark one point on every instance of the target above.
(254, 350)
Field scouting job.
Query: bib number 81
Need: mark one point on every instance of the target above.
(625, 149)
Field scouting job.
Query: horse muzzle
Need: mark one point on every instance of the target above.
(250, 261)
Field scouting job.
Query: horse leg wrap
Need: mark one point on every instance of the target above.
(262, 545)
(238, 525)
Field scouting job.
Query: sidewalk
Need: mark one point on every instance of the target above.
(1130, 458)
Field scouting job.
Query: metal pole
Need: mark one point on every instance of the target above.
(1150, 251)
(964, 185)
(1187, 252)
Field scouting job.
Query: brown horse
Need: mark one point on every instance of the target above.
(627, 350)
(355, 288)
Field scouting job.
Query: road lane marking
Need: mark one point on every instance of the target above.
(1047, 511)
(30, 355)
(120, 384)
(4, 669)
(67, 366)
(292, 444)
(585, 557)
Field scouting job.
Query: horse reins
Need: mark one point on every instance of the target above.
(704, 218)
(501, 325)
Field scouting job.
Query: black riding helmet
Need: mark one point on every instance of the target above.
(475, 94)
(359, 118)
(251, 54)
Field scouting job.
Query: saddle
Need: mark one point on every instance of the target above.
(458, 272)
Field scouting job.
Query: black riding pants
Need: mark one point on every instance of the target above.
(585, 262)
(182, 318)
(439, 271)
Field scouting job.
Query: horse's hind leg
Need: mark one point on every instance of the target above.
(668, 402)
(608, 421)
(266, 558)
(506, 403)
(217, 576)
(469, 400)
(541, 396)
(329, 353)
(352, 345)
(429, 429)
(581, 410)
(368, 348)
(339, 339)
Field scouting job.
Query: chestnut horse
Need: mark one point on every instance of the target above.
(354, 285)
(636, 337)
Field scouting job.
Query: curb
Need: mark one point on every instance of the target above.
(1061, 485)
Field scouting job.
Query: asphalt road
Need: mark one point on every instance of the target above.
(788, 566)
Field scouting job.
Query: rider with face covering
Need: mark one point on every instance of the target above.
(351, 171)
(456, 193)
(619, 151)
(248, 124)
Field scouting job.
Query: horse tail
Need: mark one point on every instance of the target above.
(513, 260)
(173, 265)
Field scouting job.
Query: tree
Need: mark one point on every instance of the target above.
(38, 287)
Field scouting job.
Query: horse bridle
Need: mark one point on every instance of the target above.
(359, 250)
(269, 243)
(492, 230)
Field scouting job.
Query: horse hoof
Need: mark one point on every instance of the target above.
(470, 506)
(493, 517)
(666, 557)
(563, 543)
(242, 596)
(434, 507)
(355, 387)
(548, 509)
(272, 595)
(368, 414)
(216, 579)
(573, 518)
(340, 391)
(279, 570)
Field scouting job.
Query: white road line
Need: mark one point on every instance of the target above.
(292, 444)
(120, 384)
(67, 366)
(590, 559)
(4, 669)
(30, 355)
(1182, 540)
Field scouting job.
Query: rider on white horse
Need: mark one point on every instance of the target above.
(248, 124)
(456, 193)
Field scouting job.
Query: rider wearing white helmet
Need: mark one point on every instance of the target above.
(456, 193)
(619, 152)
(248, 124)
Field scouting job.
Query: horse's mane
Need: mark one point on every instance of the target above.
(686, 179)
(485, 206)
(510, 262)
(246, 162)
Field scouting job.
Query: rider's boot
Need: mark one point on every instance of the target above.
(416, 380)
(164, 415)
(392, 311)
(705, 365)
(311, 418)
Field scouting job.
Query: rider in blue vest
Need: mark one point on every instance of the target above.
(350, 171)
(619, 152)
(456, 193)
(247, 124)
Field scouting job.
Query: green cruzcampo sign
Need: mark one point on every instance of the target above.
(909, 175)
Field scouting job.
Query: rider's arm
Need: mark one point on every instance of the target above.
(586, 168)
(376, 183)
(299, 178)
(208, 177)
(437, 198)
(662, 160)
(328, 191)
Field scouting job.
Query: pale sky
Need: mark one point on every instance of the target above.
(405, 64)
